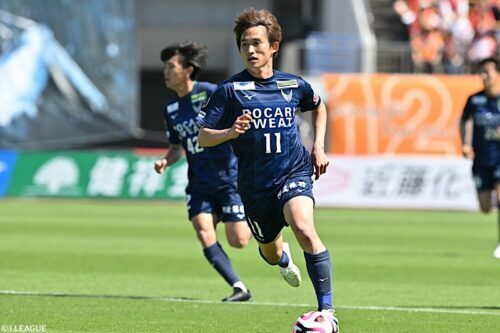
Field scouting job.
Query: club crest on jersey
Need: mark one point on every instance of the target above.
(287, 84)
(287, 97)
(244, 85)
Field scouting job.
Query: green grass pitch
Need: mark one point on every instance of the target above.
(136, 266)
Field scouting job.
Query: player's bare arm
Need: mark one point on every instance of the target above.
(466, 128)
(319, 158)
(174, 153)
(212, 137)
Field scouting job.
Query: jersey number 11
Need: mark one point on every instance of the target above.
(268, 142)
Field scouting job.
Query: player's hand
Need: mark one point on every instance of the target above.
(240, 126)
(468, 152)
(320, 162)
(161, 165)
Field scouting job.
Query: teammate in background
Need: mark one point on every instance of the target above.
(212, 191)
(254, 110)
(480, 133)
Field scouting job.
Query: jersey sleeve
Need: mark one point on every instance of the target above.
(215, 111)
(467, 113)
(309, 101)
(172, 136)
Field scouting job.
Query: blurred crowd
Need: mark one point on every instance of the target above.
(450, 36)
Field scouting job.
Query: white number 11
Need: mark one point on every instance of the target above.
(268, 142)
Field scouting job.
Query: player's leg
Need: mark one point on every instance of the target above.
(298, 212)
(485, 199)
(204, 225)
(266, 222)
(203, 220)
(485, 184)
(238, 234)
(233, 215)
(496, 252)
(278, 253)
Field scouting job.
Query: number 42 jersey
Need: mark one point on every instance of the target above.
(209, 169)
(271, 150)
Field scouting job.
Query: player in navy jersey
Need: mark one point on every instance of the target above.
(254, 110)
(480, 133)
(212, 172)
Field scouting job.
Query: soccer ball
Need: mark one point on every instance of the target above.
(314, 321)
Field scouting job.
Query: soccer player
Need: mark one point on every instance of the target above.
(254, 110)
(212, 191)
(480, 133)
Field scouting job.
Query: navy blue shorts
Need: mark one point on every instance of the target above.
(265, 214)
(485, 177)
(226, 204)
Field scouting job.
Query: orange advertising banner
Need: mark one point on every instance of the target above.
(395, 113)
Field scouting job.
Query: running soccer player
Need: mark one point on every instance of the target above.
(480, 133)
(212, 191)
(254, 110)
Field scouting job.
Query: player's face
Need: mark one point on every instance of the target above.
(255, 49)
(174, 74)
(489, 74)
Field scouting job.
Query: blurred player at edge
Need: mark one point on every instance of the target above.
(254, 110)
(480, 133)
(212, 190)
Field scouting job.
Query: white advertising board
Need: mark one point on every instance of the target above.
(403, 181)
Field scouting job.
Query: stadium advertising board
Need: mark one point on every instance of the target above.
(7, 160)
(396, 114)
(95, 174)
(415, 182)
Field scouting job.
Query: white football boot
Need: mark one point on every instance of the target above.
(291, 273)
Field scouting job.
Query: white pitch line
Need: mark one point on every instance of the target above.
(201, 301)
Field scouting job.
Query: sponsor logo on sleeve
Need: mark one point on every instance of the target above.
(199, 97)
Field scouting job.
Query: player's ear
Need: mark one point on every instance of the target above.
(189, 70)
(275, 46)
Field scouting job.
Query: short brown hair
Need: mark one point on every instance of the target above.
(251, 17)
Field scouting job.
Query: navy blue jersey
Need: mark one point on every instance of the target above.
(485, 113)
(210, 169)
(270, 151)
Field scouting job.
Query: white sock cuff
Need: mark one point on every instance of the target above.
(240, 285)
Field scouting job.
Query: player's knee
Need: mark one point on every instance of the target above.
(205, 236)
(238, 241)
(303, 229)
